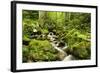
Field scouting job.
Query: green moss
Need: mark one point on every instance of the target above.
(78, 44)
(82, 50)
(40, 50)
(72, 27)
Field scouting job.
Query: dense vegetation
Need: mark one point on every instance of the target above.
(71, 27)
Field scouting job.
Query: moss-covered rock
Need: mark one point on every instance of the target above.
(40, 50)
(78, 44)
(82, 50)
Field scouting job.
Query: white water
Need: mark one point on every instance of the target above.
(61, 50)
(68, 58)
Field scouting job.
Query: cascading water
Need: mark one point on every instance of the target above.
(56, 46)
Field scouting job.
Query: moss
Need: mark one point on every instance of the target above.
(71, 27)
(40, 50)
(82, 50)
(78, 44)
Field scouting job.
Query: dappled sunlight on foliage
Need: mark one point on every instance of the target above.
(71, 29)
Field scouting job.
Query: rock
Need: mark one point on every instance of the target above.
(68, 58)
(61, 55)
(34, 30)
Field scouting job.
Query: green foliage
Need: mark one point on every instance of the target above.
(26, 38)
(27, 29)
(78, 44)
(40, 50)
(25, 52)
(74, 28)
(29, 14)
(82, 50)
(44, 31)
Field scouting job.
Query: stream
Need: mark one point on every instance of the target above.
(64, 55)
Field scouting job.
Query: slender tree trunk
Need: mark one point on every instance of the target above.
(42, 16)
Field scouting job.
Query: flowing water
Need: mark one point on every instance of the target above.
(65, 56)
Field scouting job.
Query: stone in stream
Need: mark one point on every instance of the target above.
(51, 36)
(35, 34)
(61, 55)
(54, 39)
(68, 58)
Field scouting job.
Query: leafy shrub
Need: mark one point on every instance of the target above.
(27, 29)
